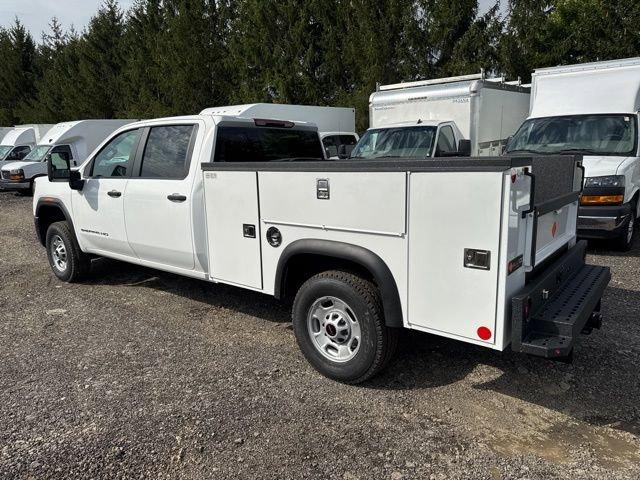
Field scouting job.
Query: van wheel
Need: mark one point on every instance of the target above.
(339, 325)
(68, 262)
(625, 241)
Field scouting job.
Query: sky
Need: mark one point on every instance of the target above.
(36, 14)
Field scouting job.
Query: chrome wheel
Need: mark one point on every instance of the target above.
(334, 329)
(59, 253)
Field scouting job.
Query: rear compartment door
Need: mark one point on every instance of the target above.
(233, 227)
(449, 213)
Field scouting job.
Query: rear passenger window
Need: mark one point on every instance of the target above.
(166, 154)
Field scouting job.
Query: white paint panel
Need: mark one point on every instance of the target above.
(448, 212)
(371, 202)
(231, 200)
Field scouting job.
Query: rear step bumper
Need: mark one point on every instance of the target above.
(557, 305)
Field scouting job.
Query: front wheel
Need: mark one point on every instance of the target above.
(625, 241)
(339, 325)
(68, 262)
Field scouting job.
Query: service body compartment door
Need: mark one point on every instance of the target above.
(233, 227)
(450, 212)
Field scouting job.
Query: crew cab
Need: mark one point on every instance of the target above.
(362, 248)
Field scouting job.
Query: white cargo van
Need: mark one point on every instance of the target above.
(336, 125)
(481, 250)
(591, 109)
(18, 142)
(430, 118)
(73, 140)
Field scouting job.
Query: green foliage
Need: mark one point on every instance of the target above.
(174, 57)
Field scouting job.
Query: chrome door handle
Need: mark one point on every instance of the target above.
(114, 193)
(175, 197)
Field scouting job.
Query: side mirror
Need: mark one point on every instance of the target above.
(342, 152)
(464, 147)
(75, 180)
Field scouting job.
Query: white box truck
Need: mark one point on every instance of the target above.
(591, 109)
(481, 250)
(430, 118)
(336, 125)
(19, 141)
(74, 140)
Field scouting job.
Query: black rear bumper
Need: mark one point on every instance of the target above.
(557, 305)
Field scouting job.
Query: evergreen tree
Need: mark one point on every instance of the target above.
(99, 82)
(18, 72)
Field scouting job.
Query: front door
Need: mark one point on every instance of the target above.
(157, 200)
(98, 207)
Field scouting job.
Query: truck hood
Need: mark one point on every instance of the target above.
(599, 166)
(14, 165)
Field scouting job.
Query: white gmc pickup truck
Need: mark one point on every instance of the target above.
(479, 250)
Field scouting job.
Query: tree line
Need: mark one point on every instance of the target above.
(175, 57)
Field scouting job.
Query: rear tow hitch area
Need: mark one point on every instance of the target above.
(559, 304)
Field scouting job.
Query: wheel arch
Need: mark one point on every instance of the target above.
(48, 211)
(304, 258)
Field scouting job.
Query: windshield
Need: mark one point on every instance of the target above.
(590, 134)
(4, 150)
(396, 142)
(38, 154)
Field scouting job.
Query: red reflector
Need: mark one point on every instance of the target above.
(554, 229)
(484, 333)
(513, 178)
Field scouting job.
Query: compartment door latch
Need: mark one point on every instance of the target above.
(479, 259)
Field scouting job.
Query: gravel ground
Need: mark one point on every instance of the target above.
(138, 373)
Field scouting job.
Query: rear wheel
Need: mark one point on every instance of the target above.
(66, 259)
(339, 325)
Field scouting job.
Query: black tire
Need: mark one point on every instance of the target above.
(377, 342)
(77, 263)
(625, 241)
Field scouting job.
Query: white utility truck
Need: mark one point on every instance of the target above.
(591, 109)
(466, 115)
(479, 250)
(336, 125)
(73, 140)
(18, 142)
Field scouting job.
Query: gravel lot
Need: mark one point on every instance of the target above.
(138, 373)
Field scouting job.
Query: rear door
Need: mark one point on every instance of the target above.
(157, 201)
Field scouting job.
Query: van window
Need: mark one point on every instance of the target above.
(332, 143)
(19, 153)
(61, 152)
(263, 144)
(115, 157)
(446, 141)
(166, 152)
